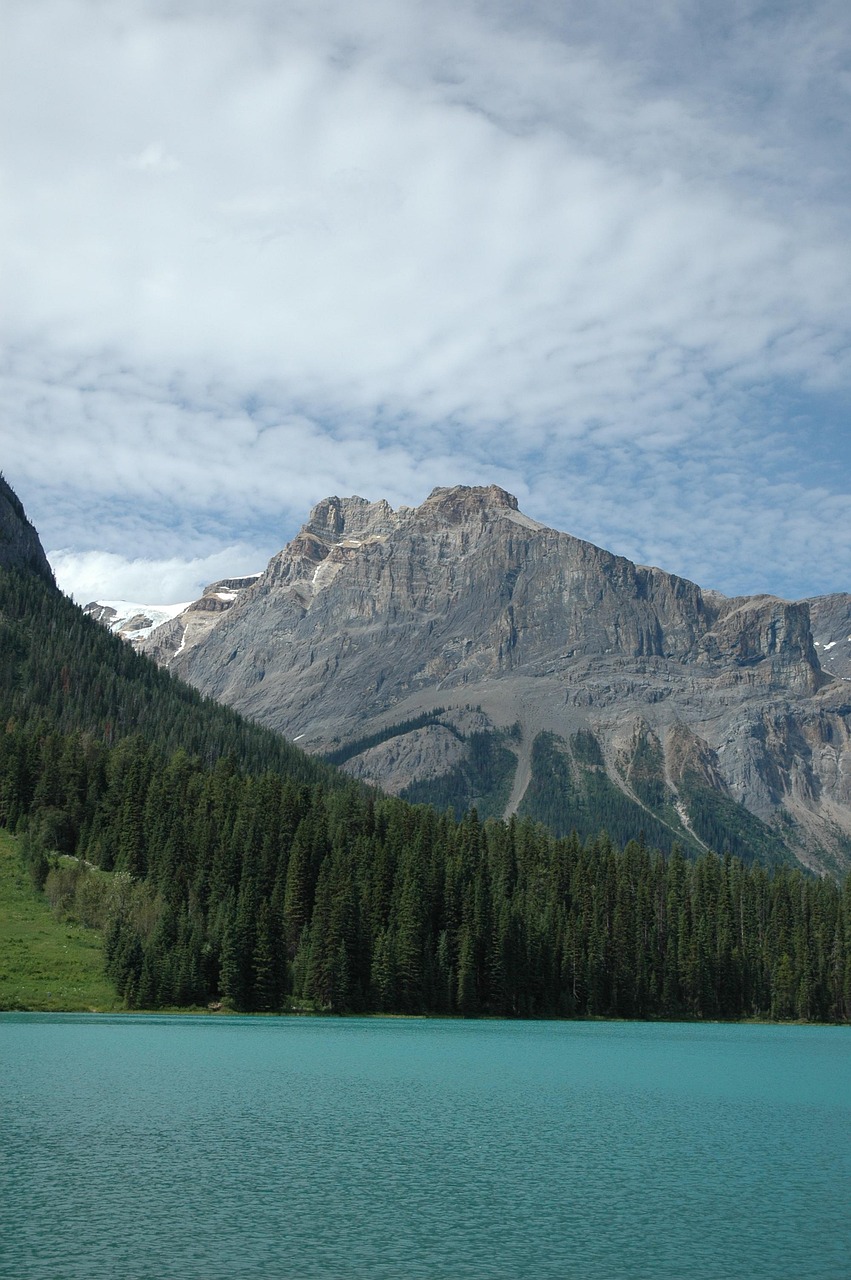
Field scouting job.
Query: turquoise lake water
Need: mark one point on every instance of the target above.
(211, 1148)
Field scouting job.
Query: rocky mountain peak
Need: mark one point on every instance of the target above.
(334, 519)
(339, 520)
(461, 501)
(402, 641)
(465, 588)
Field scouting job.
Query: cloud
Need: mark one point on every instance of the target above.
(255, 254)
(91, 575)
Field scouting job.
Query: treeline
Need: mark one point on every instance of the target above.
(576, 794)
(223, 865)
(482, 778)
(341, 755)
(267, 893)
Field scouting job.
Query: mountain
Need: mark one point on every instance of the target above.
(176, 625)
(133, 622)
(224, 867)
(20, 547)
(461, 652)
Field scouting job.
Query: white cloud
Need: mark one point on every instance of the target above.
(254, 254)
(91, 575)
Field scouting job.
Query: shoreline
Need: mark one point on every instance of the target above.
(196, 1012)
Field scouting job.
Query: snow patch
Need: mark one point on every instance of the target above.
(155, 615)
(325, 573)
(830, 646)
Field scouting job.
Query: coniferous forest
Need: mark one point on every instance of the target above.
(224, 866)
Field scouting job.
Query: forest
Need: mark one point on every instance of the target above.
(226, 868)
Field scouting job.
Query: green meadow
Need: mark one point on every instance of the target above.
(45, 964)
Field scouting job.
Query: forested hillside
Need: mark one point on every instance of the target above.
(225, 866)
(63, 672)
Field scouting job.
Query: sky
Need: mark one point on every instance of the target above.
(257, 252)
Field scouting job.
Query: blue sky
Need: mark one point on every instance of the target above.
(256, 253)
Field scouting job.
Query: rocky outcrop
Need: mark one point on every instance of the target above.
(20, 547)
(765, 641)
(372, 618)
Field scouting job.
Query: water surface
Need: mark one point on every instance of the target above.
(210, 1148)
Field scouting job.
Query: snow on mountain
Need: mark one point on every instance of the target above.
(164, 630)
(131, 620)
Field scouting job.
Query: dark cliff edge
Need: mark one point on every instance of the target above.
(20, 547)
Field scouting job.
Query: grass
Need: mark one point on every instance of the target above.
(46, 965)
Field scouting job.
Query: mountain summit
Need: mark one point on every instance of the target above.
(462, 652)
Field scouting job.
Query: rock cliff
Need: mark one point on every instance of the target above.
(830, 618)
(376, 634)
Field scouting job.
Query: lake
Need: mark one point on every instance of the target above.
(208, 1148)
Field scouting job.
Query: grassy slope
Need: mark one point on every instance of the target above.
(45, 964)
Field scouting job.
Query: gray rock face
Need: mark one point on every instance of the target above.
(830, 618)
(20, 547)
(195, 622)
(372, 617)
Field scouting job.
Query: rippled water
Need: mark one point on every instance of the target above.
(213, 1148)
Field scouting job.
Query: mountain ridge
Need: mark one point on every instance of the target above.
(20, 546)
(370, 618)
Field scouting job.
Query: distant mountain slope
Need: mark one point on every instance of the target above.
(20, 547)
(63, 673)
(715, 719)
(131, 621)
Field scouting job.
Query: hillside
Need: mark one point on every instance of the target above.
(63, 672)
(46, 963)
(20, 547)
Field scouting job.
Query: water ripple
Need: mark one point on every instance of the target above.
(210, 1149)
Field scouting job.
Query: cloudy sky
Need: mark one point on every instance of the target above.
(255, 252)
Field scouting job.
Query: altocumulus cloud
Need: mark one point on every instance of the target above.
(253, 254)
